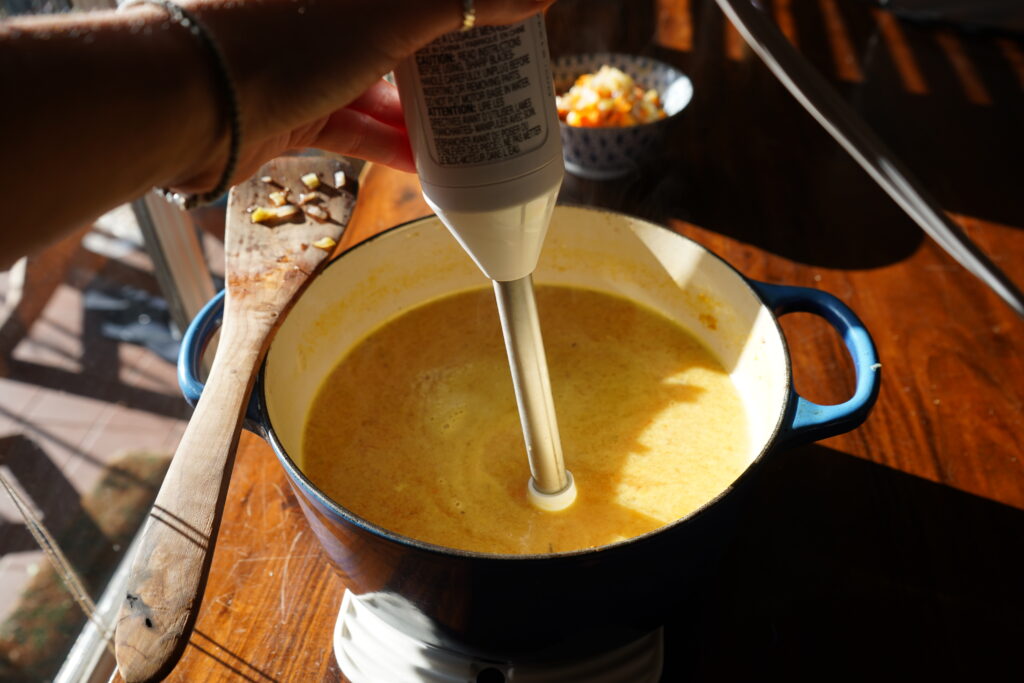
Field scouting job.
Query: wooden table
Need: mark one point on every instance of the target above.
(895, 551)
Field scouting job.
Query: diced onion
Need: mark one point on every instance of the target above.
(287, 211)
(317, 213)
(263, 214)
(608, 97)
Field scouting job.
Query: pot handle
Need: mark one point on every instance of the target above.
(193, 346)
(808, 421)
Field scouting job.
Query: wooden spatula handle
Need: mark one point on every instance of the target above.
(169, 572)
(266, 265)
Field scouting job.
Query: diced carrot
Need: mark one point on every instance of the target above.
(608, 97)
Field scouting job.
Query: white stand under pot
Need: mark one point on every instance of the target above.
(369, 650)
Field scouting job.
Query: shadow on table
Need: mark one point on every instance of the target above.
(92, 529)
(238, 667)
(747, 161)
(848, 570)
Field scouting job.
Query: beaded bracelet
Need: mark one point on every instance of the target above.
(188, 21)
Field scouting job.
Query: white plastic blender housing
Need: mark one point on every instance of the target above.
(480, 109)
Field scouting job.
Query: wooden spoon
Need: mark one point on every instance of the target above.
(266, 266)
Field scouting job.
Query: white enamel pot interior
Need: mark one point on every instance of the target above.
(419, 262)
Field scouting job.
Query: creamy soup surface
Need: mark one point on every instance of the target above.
(417, 430)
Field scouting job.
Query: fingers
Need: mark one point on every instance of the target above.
(355, 133)
(412, 24)
(380, 101)
(372, 126)
(443, 16)
(498, 12)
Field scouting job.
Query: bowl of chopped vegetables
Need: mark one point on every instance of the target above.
(614, 109)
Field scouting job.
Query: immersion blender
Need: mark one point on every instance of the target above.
(479, 106)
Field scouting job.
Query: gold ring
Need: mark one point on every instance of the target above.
(468, 15)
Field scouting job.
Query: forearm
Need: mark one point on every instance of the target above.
(103, 106)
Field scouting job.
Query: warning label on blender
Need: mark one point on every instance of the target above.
(482, 95)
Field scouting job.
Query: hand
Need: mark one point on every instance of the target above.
(322, 87)
(120, 102)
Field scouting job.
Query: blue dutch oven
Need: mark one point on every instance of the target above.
(488, 605)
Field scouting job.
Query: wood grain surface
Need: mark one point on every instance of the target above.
(267, 264)
(893, 552)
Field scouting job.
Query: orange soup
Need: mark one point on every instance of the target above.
(416, 429)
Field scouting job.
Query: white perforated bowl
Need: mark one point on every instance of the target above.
(605, 153)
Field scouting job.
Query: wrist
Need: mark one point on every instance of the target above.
(195, 142)
(226, 96)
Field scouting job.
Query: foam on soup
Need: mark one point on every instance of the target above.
(416, 429)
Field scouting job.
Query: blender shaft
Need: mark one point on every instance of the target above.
(521, 329)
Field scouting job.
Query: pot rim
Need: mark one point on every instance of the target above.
(311, 489)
